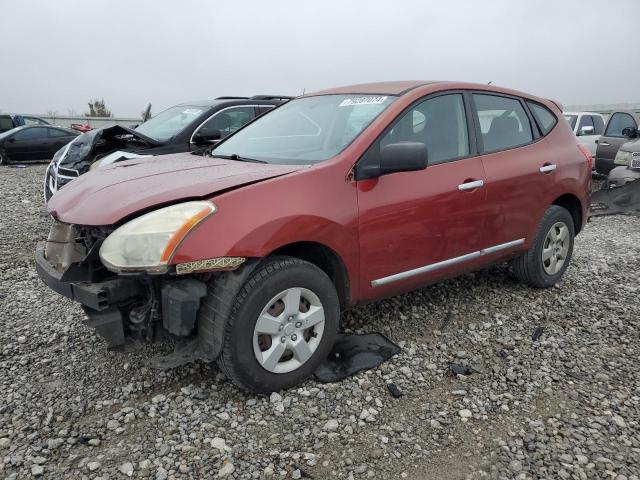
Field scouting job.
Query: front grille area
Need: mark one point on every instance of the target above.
(67, 172)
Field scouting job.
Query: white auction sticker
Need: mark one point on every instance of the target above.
(350, 102)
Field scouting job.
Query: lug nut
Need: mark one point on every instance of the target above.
(283, 339)
(294, 337)
(290, 318)
(280, 327)
(298, 324)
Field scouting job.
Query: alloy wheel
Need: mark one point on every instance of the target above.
(555, 248)
(288, 330)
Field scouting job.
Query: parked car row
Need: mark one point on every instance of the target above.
(249, 253)
(33, 143)
(610, 144)
(8, 122)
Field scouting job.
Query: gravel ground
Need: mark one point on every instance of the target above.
(565, 406)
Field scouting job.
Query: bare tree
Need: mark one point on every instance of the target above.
(97, 108)
(146, 115)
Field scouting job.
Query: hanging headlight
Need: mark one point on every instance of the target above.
(148, 242)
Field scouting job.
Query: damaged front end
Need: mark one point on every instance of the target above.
(96, 147)
(125, 309)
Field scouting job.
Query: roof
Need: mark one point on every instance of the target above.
(376, 88)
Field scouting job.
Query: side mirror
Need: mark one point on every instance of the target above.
(587, 130)
(629, 132)
(403, 157)
(206, 137)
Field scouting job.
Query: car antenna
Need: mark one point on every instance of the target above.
(490, 82)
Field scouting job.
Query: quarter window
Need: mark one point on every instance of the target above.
(439, 123)
(54, 132)
(546, 120)
(503, 122)
(618, 122)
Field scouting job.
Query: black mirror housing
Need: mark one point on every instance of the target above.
(206, 137)
(403, 157)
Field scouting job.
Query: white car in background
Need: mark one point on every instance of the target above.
(587, 127)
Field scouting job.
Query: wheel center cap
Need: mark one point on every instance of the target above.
(289, 329)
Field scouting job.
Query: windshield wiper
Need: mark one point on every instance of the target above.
(235, 156)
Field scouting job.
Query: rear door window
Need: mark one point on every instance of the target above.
(546, 120)
(503, 122)
(55, 133)
(618, 122)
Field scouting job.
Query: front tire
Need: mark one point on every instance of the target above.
(282, 325)
(545, 262)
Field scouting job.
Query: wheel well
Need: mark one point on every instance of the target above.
(326, 260)
(573, 205)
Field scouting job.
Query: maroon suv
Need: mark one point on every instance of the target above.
(333, 199)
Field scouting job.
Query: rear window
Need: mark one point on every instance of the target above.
(546, 120)
(503, 122)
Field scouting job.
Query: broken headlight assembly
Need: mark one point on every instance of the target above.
(147, 243)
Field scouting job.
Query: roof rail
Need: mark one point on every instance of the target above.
(271, 97)
(231, 98)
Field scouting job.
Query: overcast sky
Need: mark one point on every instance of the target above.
(57, 55)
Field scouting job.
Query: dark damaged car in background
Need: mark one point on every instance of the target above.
(188, 127)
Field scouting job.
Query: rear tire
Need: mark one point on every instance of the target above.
(545, 262)
(299, 311)
(3, 158)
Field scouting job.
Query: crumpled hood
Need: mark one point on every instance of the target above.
(107, 195)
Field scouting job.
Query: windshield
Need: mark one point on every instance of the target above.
(307, 130)
(169, 123)
(572, 120)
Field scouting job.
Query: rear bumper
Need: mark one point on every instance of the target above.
(97, 296)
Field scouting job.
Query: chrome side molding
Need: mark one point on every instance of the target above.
(445, 263)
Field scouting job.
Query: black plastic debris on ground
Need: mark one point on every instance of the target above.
(537, 333)
(617, 200)
(354, 353)
(394, 390)
(456, 369)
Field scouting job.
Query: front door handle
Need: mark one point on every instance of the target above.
(546, 168)
(471, 185)
(604, 144)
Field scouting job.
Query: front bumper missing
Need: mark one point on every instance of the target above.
(126, 309)
(97, 296)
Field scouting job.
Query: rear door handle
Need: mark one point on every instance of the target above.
(604, 144)
(548, 168)
(471, 185)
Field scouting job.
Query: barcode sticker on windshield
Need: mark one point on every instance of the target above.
(350, 102)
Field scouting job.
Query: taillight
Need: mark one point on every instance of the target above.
(587, 154)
